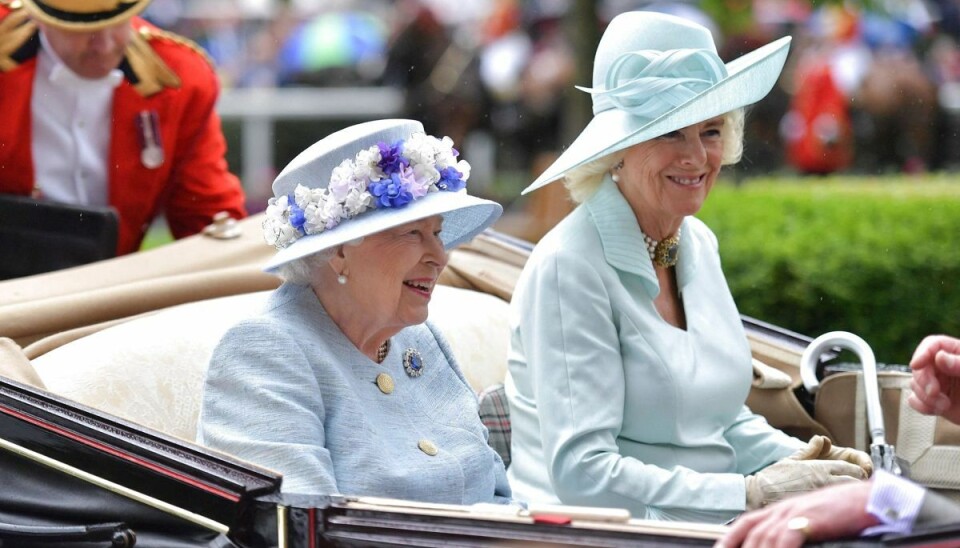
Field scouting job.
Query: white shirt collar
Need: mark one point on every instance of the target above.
(60, 74)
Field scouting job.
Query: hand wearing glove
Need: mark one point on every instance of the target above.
(821, 448)
(790, 476)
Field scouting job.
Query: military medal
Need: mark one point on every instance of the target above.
(412, 362)
(151, 151)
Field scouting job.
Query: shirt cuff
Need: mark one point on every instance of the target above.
(894, 501)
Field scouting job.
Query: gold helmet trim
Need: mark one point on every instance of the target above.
(84, 15)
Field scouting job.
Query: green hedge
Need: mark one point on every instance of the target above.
(879, 258)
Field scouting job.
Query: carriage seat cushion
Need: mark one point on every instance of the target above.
(15, 365)
(150, 370)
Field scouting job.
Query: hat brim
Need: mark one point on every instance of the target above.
(464, 217)
(49, 15)
(749, 78)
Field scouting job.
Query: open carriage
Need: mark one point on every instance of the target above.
(100, 391)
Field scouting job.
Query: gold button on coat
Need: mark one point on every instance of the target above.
(385, 383)
(428, 447)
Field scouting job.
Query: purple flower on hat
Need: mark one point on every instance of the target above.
(391, 158)
(390, 192)
(451, 180)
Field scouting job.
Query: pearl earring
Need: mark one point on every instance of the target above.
(342, 279)
(615, 174)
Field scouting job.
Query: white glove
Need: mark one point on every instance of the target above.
(821, 448)
(789, 477)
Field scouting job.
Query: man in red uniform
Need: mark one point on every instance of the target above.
(102, 108)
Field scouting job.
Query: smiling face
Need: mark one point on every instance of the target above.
(391, 274)
(668, 178)
(90, 54)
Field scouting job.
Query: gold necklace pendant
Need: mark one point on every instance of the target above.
(667, 251)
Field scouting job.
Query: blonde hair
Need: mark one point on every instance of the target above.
(582, 181)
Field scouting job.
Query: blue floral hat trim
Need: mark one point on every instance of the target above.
(385, 176)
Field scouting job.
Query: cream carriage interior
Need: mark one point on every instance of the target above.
(131, 337)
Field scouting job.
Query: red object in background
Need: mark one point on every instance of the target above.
(552, 519)
(817, 128)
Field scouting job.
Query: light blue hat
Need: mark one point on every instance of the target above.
(365, 179)
(655, 73)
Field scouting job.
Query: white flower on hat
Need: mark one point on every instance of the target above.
(367, 165)
(277, 229)
(356, 202)
(426, 174)
(464, 168)
(343, 180)
(322, 214)
(420, 148)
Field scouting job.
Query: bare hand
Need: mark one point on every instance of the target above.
(936, 377)
(833, 512)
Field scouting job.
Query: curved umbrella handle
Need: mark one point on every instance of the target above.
(849, 341)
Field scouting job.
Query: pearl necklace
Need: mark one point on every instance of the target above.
(665, 252)
(383, 351)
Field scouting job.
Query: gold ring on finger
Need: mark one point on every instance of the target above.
(801, 525)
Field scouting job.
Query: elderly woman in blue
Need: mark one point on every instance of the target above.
(339, 384)
(629, 367)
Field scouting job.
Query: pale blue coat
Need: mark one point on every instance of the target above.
(610, 404)
(288, 391)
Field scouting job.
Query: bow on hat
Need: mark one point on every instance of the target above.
(655, 73)
(648, 83)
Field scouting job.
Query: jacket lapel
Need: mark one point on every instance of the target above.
(622, 239)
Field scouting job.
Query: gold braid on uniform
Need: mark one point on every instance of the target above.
(15, 29)
(151, 33)
(152, 72)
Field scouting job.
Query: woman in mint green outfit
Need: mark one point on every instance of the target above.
(629, 366)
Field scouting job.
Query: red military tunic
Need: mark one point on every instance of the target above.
(190, 186)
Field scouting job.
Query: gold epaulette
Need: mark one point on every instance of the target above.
(152, 72)
(15, 29)
(151, 33)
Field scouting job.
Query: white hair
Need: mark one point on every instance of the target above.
(302, 271)
(582, 181)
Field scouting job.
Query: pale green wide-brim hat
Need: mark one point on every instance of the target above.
(84, 15)
(655, 73)
(464, 216)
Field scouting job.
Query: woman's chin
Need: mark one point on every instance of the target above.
(415, 317)
(690, 206)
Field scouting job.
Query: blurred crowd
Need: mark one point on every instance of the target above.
(866, 90)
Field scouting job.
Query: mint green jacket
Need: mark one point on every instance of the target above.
(611, 405)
